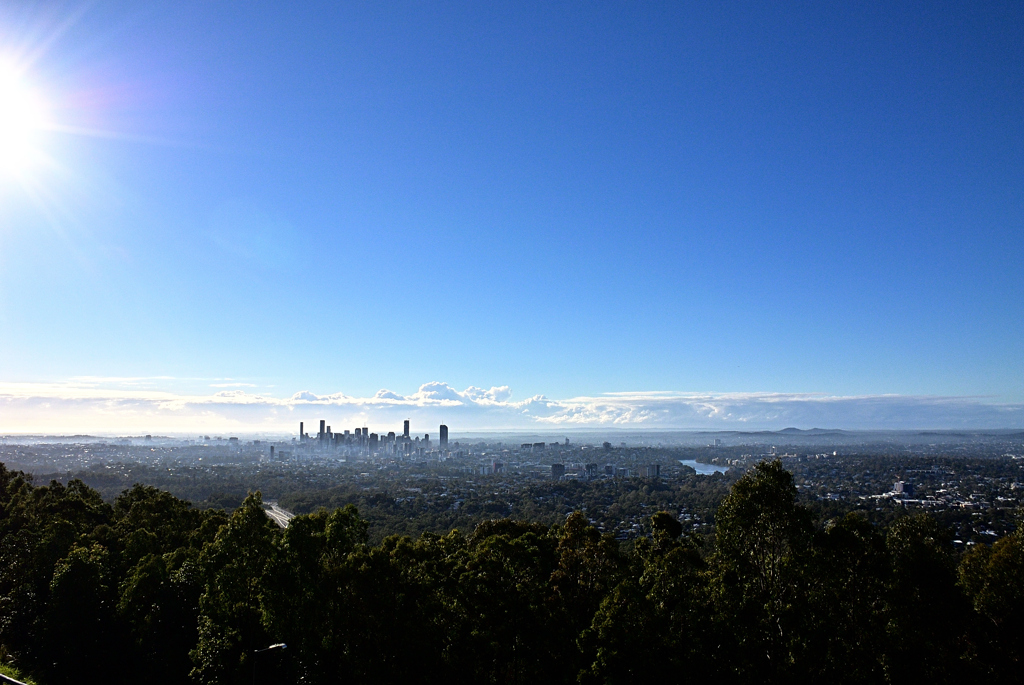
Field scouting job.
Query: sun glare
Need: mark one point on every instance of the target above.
(22, 117)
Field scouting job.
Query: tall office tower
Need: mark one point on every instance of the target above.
(359, 431)
(405, 433)
(323, 424)
(302, 434)
(444, 437)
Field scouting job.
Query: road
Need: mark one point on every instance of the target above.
(277, 514)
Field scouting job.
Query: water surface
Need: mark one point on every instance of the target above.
(703, 469)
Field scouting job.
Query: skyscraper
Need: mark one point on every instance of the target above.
(302, 434)
(405, 433)
(443, 440)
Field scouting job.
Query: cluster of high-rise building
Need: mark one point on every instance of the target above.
(362, 442)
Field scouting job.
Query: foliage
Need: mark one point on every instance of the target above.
(12, 672)
(169, 593)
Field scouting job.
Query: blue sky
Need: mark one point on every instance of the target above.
(565, 199)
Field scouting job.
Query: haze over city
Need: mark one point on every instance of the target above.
(537, 217)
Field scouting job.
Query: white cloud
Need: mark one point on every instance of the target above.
(437, 392)
(383, 394)
(494, 395)
(85, 405)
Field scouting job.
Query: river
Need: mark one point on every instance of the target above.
(703, 469)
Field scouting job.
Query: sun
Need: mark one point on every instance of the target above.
(22, 118)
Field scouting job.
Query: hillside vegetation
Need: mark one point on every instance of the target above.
(150, 589)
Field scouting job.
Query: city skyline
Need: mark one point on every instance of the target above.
(633, 217)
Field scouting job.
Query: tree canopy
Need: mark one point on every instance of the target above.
(149, 588)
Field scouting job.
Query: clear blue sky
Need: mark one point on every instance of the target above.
(565, 198)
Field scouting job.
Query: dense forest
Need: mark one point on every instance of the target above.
(148, 588)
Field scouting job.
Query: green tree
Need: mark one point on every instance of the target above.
(498, 605)
(80, 634)
(306, 608)
(760, 536)
(993, 578)
(842, 637)
(653, 626)
(231, 622)
(927, 610)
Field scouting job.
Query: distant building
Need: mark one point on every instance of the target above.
(443, 439)
(497, 467)
(557, 471)
(538, 446)
(652, 470)
(405, 432)
(302, 433)
(607, 445)
(902, 487)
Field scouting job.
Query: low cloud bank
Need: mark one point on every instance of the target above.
(88, 406)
